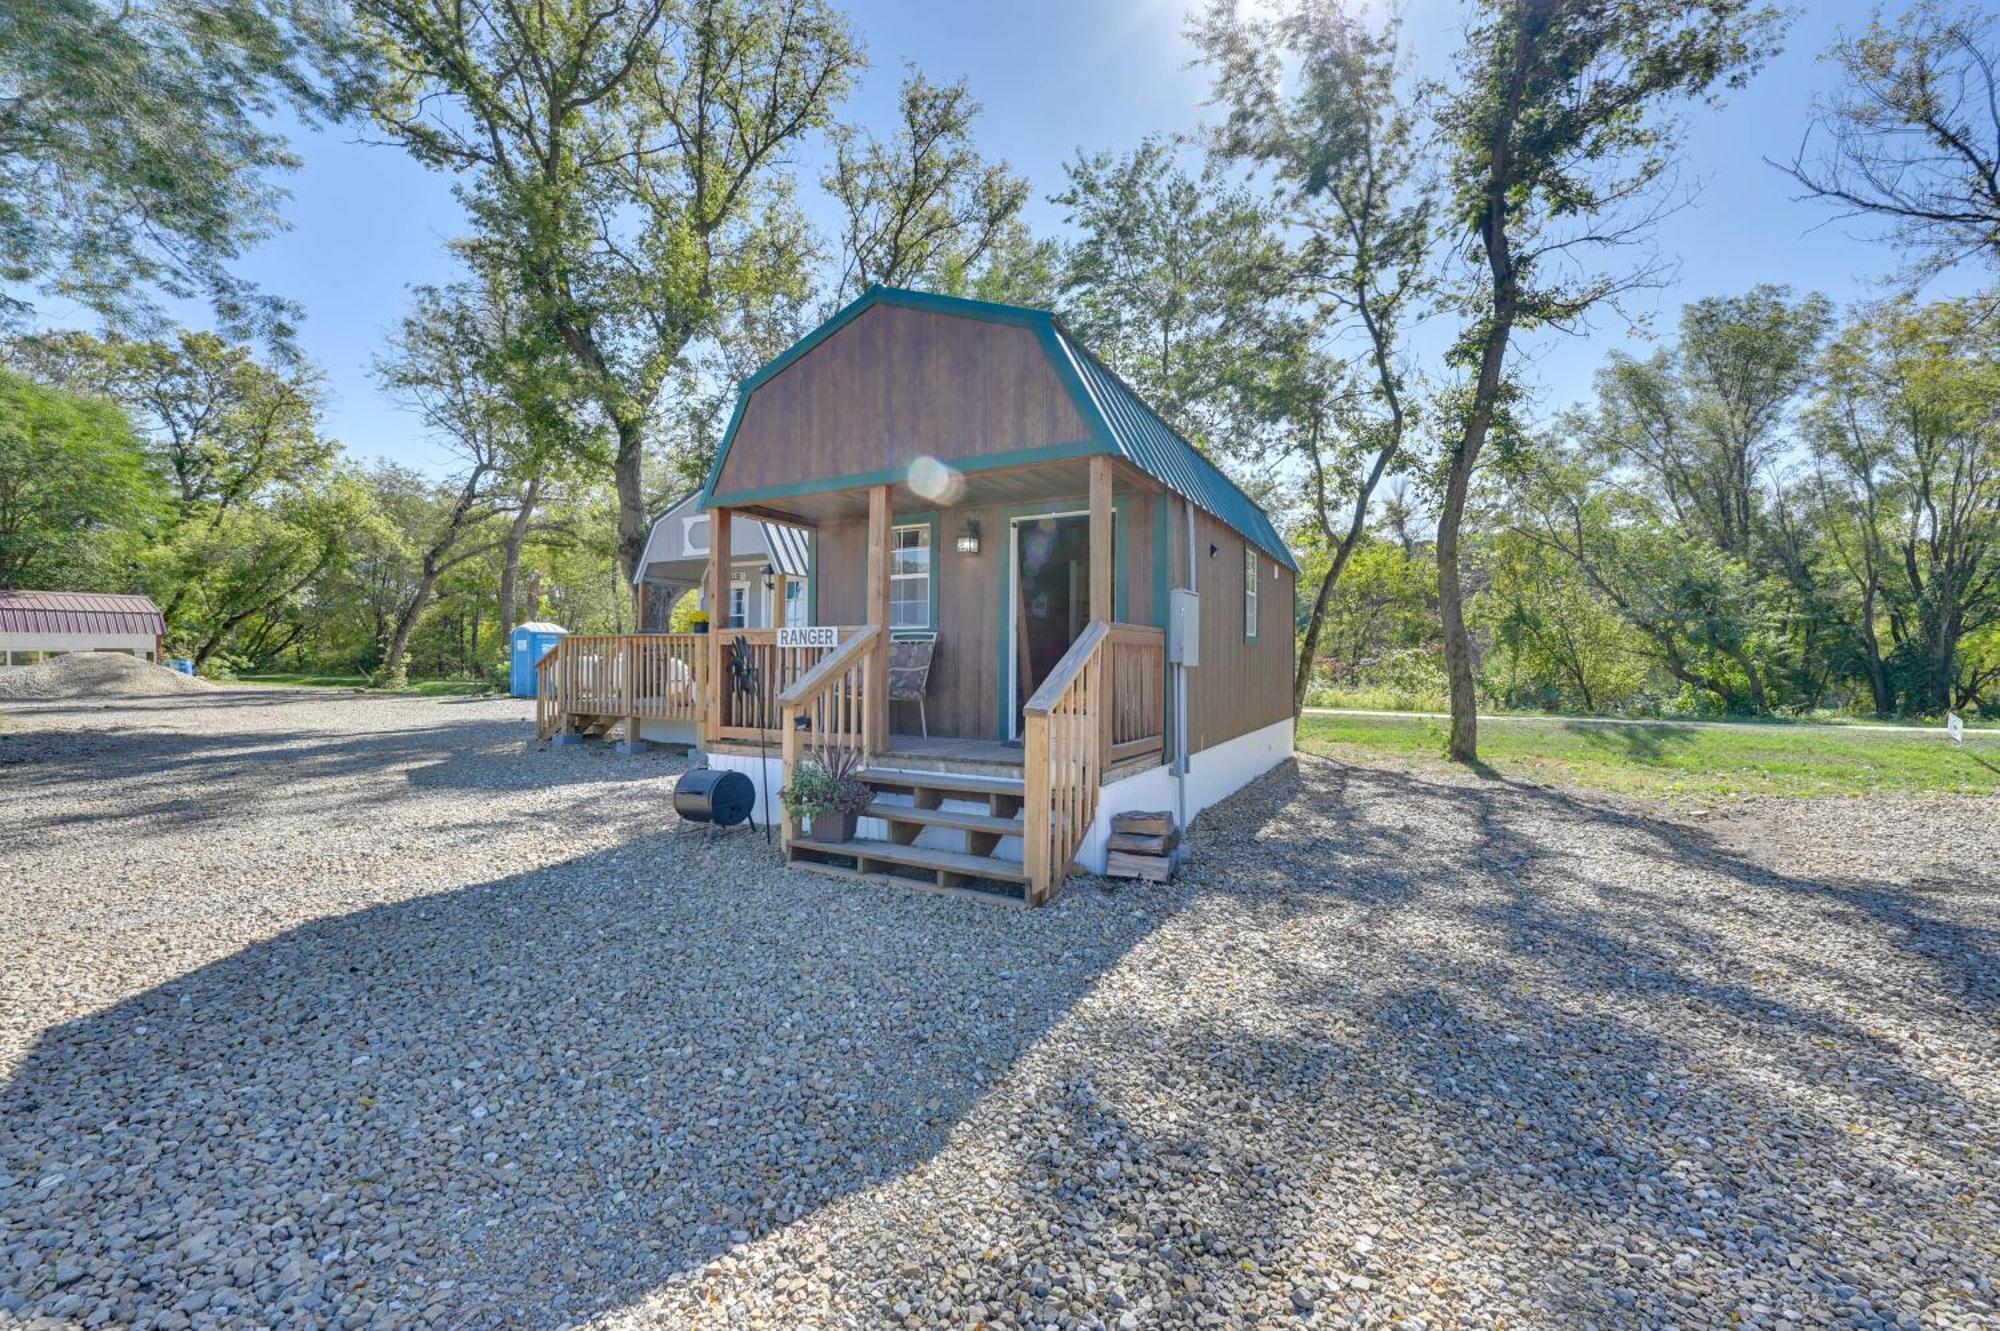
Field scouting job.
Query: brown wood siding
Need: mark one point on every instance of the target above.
(1240, 685)
(966, 678)
(893, 385)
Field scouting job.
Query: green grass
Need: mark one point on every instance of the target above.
(1671, 759)
(430, 688)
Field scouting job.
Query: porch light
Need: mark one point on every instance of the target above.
(770, 577)
(968, 538)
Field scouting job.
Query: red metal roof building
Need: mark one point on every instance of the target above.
(35, 625)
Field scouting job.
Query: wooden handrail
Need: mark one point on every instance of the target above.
(829, 665)
(835, 700)
(1067, 669)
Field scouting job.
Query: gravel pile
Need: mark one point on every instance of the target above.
(366, 1011)
(93, 675)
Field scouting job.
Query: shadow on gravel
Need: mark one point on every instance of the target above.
(520, 1103)
(1572, 1060)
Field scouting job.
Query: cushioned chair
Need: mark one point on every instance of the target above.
(910, 671)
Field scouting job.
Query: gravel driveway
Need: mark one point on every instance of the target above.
(346, 1010)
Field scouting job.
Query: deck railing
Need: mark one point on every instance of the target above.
(1137, 678)
(1104, 702)
(830, 709)
(755, 714)
(642, 676)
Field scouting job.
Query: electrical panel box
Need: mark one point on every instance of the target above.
(1184, 626)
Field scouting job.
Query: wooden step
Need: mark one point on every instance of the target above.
(953, 782)
(865, 851)
(1016, 897)
(971, 822)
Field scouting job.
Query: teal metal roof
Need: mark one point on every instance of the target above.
(1120, 421)
(1156, 448)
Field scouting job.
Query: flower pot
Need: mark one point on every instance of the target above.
(830, 826)
(700, 628)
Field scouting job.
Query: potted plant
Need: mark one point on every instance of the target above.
(825, 792)
(698, 621)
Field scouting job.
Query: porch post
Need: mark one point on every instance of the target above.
(878, 617)
(778, 602)
(1102, 602)
(718, 620)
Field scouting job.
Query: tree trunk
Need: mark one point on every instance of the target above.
(406, 624)
(510, 565)
(1463, 746)
(628, 473)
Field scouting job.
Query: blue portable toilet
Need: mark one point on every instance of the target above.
(531, 644)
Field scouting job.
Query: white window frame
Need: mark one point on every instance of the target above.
(930, 570)
(739, 610)
(795, 602)
(1249, 592)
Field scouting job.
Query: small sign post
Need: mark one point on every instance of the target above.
(1954, 726)
(806, 635)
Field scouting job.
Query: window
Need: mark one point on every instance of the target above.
(795, 601)
(1249, 592)
(910, 577)
(739, 605)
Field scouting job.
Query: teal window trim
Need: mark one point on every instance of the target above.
(933, 521)
(1252, 593)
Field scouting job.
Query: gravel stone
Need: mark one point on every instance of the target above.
(355, 1010)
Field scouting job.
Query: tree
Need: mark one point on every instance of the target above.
(1695, 607)
(1165, 273)
(1909, 437)
(1913, 140)
(76, 493)
(1701, 423)
(1558, 139)
(1562, 645)
(228, 433)
(1342, 147)
(620, 164)
(441, 364)
(136, 152)
(923, 209)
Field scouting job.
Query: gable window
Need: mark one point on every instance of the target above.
(1249, 592)
(910, 577)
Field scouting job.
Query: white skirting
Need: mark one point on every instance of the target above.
(1214, 774)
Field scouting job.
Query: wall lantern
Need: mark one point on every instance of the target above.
(1214, 550)
(968, 538)
(770, 577)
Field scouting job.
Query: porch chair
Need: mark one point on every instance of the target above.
(910, 671)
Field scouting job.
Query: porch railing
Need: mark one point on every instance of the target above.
(755, 714)
(830, 709)
(1104, 702)
(643, 676)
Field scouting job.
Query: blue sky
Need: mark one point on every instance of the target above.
(1055, 76)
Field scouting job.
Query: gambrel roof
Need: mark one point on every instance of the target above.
(1118, 420)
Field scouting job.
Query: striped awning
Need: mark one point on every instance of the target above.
(78, 612)
(788, 548)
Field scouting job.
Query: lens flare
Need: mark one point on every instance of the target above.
(936, 481)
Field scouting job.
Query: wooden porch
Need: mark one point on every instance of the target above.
(1099, 712)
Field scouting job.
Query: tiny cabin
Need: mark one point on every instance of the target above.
(35, 626)
(1012, 593)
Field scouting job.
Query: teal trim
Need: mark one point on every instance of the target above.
(1006, 519)
(722, 450)
(812, 577)
(1120, 421)
(894, 475)
(933, 521)
(1254, 590)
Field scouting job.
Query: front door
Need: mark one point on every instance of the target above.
(1051, 597)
